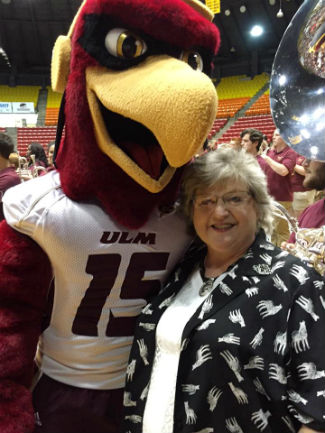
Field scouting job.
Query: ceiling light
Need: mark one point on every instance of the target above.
(3, 54)
(271, 2)
(279, 14)
(256, 31)
(314, 150)
(242, 9)
(227, 12)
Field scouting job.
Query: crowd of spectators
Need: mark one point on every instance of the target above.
(288, 183)
(8, 175)
(15, 169)
(285, 171)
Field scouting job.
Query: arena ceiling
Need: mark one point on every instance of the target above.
(29, 28)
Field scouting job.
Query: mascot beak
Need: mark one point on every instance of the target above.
(151, 118)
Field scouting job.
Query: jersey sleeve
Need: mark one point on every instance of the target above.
(24, 205)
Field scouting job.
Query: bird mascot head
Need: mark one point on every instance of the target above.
(138, 102)
(137, 105)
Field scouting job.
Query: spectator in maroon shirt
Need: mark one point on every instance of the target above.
(8, 175)
(302, 196)
(280, 162)
(314, 215)
(251, 141)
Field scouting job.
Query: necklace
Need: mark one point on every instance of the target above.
(206, 286)
(208, 282)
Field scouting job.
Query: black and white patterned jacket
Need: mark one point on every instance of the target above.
(253, 357)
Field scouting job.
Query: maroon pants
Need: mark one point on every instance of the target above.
(63, 408)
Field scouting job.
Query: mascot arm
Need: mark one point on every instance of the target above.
(25, 278)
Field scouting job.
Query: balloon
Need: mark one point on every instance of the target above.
(297, 84)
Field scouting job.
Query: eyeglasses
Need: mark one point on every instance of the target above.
(230, 201)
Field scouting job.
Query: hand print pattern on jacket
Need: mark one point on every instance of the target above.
(274, 379)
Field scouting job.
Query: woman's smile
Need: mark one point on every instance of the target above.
(222, 227)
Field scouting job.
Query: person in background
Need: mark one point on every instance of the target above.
(37, 158)
(210, 145)
(14, 160)
(280, 162)
(314, 215)
(309, 244)
(302, 196)
(265, 145)
(8, 175)
(50, 151)
(235, 143)
(233, 343)
(251, 142)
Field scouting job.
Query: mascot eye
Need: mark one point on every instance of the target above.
(193, 58)
(125, 44)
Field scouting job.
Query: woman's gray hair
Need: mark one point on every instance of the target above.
(220, 166)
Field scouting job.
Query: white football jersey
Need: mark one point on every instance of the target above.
(103, 272)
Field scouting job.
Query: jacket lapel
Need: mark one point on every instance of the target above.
(257, 262)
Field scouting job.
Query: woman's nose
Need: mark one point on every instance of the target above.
(220, 207)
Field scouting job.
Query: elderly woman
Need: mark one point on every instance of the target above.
(234, 342)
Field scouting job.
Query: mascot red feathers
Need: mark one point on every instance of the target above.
(84, 247)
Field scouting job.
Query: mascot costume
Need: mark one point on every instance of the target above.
(84, 247)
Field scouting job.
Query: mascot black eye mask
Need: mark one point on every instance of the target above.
(138, 106)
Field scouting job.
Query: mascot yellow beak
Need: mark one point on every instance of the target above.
(162, 91)
(136, 95)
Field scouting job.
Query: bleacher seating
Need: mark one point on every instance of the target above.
(20, 94)
(234, 92)
(51, 116)
(261, 106)
(217, 125)
(229, 107)
(42, 135)
(241, 86)
(52, 107)
(263, 123)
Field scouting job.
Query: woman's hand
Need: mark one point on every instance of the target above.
(305, 429)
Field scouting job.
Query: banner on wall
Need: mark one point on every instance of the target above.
(23, 107)
(5, 107)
